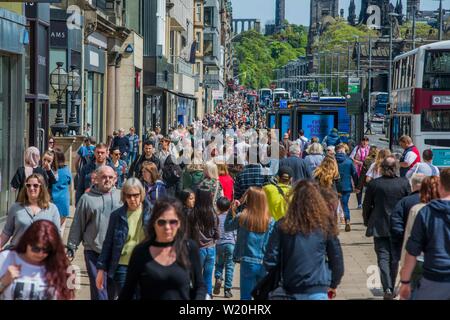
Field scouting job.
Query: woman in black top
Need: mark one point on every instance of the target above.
(167, 265)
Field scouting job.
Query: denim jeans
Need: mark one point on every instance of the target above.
(225, 259)
(207, 259)
(311, 296)
(359, 196)
(131, 158)
(345, 199)
(90, 258)
(119, 278)
(251, 274)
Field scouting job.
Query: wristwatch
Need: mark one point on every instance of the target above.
(405, 282)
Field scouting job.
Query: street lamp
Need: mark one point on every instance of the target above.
(74, 84)
(58, 82)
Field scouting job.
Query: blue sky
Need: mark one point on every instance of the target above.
(297, 11)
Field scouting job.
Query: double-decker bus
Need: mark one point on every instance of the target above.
(280, 94)
(421, 100)
(379, 101)
(265, 96)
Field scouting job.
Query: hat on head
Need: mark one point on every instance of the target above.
(286, 172)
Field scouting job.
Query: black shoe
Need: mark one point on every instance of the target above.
(388, 295)
(228, 293)
(217, 286)
(347, 227)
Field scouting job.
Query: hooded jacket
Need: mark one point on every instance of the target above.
(91, 219)
(431, 235)
(347, 173)
(332, 139)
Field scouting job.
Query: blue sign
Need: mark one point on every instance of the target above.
(271, 121)
(317, 125)
(283, 104)
(285, 123)
(441, 157)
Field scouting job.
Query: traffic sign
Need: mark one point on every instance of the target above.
(283, 104)
(354, 85)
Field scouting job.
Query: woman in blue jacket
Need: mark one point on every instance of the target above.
(305, 242)
(60, 189)
(254, 225)
(126, 229)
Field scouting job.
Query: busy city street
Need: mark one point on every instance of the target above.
(225, 150)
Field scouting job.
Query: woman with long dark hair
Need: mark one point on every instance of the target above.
(308, 230)
(167, 265)
(37, 268)
(204, 229)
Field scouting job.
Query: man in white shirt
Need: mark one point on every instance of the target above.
(426, 167)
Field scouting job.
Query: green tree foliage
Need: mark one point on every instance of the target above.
(260, 55)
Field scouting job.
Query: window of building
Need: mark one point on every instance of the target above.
(197, 68)
(198, 12)
(172, 46)
(209, 17)
(198, 38)
(4, 115)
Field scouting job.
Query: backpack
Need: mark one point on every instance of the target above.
(171, 173)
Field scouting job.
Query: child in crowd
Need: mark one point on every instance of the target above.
(224, 249)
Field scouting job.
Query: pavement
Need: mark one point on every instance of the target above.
(360, 281)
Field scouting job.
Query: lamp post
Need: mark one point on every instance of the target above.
(391, 16)
(74, 84)
(58, 81)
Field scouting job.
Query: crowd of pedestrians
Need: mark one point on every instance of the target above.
(155, 227)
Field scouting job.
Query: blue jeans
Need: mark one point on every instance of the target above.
(311, 296)
(251, 274)
(90, 258)
(345, 199)
(359, 197)
(225, 259)
(131, 158)
(207, 259)
(119, 278)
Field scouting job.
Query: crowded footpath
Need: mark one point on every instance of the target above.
(169, 217)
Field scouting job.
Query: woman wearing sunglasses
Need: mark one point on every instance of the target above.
(36, 269)
(120, 166)
(127, 228)
(32, 204)
(167, 265)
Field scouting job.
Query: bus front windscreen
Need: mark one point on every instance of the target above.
(437, 70)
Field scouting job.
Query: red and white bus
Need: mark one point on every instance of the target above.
(421, 100)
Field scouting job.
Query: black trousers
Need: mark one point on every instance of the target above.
(387, 262)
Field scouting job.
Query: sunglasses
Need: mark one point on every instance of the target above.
(116, 154)
(172, 223)
(30, 185)
(51, 142)
(133, 195)
(37, 249)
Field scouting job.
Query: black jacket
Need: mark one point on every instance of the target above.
(311, 264)
(382, 195)
(135, 169)
(123, 143)
(400, 214)
(84, 178)
(18, 181)
(299, 166)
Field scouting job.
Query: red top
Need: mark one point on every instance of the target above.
(227, 186)
(416, 151)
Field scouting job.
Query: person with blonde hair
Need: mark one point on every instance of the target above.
(211, 181)
(315, 156)
(374, 171)
(32, 204)
(154, 187)
(126, 229)
(308, 230)
(226, 181)
(254, 225)
(327, 173)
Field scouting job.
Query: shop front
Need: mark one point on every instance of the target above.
(12, 50)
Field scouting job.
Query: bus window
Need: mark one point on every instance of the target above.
(437, 70)
(435, 120)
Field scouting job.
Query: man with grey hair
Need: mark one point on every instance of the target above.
(382, 195)
(400, 214)
(90, 224)
(296, 163)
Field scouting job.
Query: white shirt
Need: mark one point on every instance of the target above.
(410, 157)
(372, 173)
(31, 285)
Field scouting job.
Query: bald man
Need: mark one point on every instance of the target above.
(90, 224)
